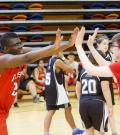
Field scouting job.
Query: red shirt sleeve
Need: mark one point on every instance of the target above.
(115, 68)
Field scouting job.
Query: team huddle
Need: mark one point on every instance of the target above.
(94, 82)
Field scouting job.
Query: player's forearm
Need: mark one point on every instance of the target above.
(78, 95)
(77, 88)
(84, 60)
(107, 93)
(108, 99)
(102, 71)
(100, 60)
(40, 53)
(65, 45)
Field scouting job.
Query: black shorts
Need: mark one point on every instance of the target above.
(94, 114)
(23, 84)
(57, 107)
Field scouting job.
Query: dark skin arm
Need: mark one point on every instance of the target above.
(61, 65)
(30, 56)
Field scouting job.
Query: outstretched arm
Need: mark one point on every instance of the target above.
(30, 55)
(103, 71)
(100, 60)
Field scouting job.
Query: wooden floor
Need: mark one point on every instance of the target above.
(28, 119)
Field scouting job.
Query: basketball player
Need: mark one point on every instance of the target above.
(12, 58)
(107, 69)
(103, 49)
(93, 110)
(56, 94)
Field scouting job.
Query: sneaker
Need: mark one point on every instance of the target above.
(16, 104)
(41, 99)
(78, 131)
(35, 99)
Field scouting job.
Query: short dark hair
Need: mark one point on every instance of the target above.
(4, 39)
(116, 38)
(99, 39)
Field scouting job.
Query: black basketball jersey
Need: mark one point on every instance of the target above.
(108, 56)
(54, 86)
(90, 86)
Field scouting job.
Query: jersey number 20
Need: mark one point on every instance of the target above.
(88, 86)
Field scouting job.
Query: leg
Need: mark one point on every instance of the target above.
(16, 101)
(90, 131)
(100, 133)
(71, 122)
(69, 117)
(32, 88)
(47, 121)
(112, 123)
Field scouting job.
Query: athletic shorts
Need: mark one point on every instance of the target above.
(23, 84)
(3, 126)
(57, 107)
(94, 113)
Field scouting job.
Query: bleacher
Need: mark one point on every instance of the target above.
(65, 14)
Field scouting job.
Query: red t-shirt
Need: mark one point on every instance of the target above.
(9, 81)
(115, 68)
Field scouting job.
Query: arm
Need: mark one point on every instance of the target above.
(29, 55)
(78, 89)
(61, 65)
(100, 60)
(26, 49)
(103, 71)
(107, 95)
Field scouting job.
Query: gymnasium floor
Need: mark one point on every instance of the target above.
(28, 119)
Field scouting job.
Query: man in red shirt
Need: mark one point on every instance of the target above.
(12, 58)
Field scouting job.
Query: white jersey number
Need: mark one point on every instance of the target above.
(89, 86)
(14, 93)
(47, 80)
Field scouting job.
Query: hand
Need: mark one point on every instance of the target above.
(58, 40)
(80, 37)
(73, 37)
(91, 38)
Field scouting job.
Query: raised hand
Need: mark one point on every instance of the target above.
(91, 38)
(80, 37)
(58, 40)
(73, 37)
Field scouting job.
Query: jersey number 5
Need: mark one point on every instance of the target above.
(47, 80)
